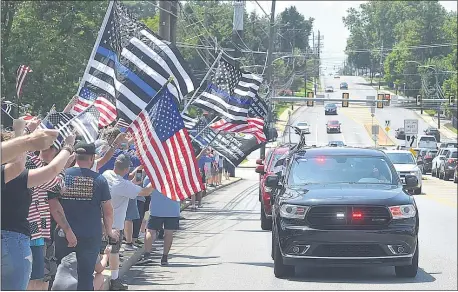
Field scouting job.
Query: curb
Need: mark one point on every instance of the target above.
(131, 260)
(433, 124)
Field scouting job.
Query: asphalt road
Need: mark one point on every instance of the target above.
(222, 247)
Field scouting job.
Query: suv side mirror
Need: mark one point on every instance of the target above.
(259, 169)
(272, 181)
(411, 181)
(259, 161)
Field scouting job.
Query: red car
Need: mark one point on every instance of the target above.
(266, 168)
(333, 126)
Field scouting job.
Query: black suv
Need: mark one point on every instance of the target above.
(342, 207)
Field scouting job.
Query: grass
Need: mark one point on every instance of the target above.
(430, 112)
(281, 107)
(451, 128)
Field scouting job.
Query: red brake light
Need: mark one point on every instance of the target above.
(428, 157)
(357, 215)
(320, 159)
(451, 160)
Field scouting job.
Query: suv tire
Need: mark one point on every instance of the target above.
(281, 270)
(445, 177)
(417, 191)
(266, 223)
(411, 270)
(455, 177)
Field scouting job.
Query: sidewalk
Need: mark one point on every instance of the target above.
(432, 121)
(131, 257)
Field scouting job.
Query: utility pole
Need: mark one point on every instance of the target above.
(269, 70)
(164, 20)
(381, 64)
(173, 21)
(237, 29)
(319, 48)
(305, 73)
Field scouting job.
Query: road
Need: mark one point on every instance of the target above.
(222, 246)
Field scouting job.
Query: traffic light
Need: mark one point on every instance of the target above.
(345, 95)
(451, 99)
(419, 99)
(310, 102)
(380, 98)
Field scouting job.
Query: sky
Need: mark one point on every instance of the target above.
(328, 19)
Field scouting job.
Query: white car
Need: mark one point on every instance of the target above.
(427, 141)
(406, 164)
(329, 89)
(438, 160)
(304, 127)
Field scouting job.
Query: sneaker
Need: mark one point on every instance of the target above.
(130, 247)
(117, 285)
(144, 260)
(164, 260)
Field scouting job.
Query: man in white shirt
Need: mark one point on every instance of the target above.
(121, 191)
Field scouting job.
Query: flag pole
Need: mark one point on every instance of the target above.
(202, 82)
(97, 42)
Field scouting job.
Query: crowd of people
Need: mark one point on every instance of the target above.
(69, 210)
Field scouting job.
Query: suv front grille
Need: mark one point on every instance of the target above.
(348, 250)
(341, 216)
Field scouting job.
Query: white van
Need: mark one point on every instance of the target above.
(427, 141)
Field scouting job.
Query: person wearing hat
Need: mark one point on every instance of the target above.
(85, 199)
(121, 190)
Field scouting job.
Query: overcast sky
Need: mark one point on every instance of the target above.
(328, 19)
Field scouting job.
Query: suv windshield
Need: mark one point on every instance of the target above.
(454, 155)
(428, 139)
(341, 169)
(331, 105)
(401, 158)
(301, 124)
(333, 122)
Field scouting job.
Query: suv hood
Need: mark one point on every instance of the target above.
(344, 194)
(406, 167)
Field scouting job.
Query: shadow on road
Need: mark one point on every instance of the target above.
(254, 230)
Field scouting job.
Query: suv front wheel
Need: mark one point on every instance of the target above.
(266, 222)
(411, 270)
(280, 270)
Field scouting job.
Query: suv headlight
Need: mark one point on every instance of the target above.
(403, 211)
(293, 211)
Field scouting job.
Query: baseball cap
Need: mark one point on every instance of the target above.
(85, 148)
(122, 161)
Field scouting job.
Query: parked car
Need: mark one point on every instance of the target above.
(344, 85)
(265, 169)
(400, 134)
(428, 159)
(406, 164)
(328, 217)
(438, 160)
(431, 131)
(448, 166)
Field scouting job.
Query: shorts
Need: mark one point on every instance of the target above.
(38, 262)
(132, 210)
(117, 246)
(50, 260)
(169, 223)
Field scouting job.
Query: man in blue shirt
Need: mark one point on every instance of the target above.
(163, 212)
(85, 199)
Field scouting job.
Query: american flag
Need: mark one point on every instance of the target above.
(230, 93)
(131, 64)
(104, 106)
(86, 124)
(253, 126)
(21, 73)
(165, 150)
(58, 121)
(189, 122)
(121, 123)
(202, 133)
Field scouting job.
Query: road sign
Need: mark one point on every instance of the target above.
(387, 123)
(372, 109)
(411, 127)
(375, 129)
(410, 141)
(414, 153)
(387, 129)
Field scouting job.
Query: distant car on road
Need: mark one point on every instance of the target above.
(336, 143)
(400, 134)
(406, 164)
(448, 144)
(304, 127)
(329, 89)
(448, 167)
(438, 160)
(427, 141)
(343, 85)
(336, 77)
(330, 109)
(428, 160)
(333, 126)
(431, 131)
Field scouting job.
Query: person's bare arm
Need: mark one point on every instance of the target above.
(100, 267)
(70, 104)
(146, 191)
(109, 154)
(58, 214)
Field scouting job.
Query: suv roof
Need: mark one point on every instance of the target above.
(398, 151)
(340, 151)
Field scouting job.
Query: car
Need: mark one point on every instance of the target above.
(405, 164)
(342, 207)
(448, 144)
(448, 166)
(330, 109)
(333, 126)
(428, 159)
(265, 169)
(400, 134)
(427, 141)
(431, 131)
(420, 153)
(304, 127)
(336, 144)
(455, 174)
(344, 85)
(329, 89)
(336, 77)
(438, 160)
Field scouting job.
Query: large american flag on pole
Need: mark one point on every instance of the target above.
(106, 108)
(130, 64)
(21, 73)
(253, 126)
(164, 148)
